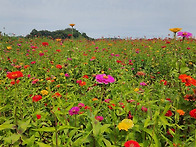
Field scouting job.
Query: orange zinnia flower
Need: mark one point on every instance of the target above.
(95, 99)
(188, 80)
(181, 112)
(175, 29)
(72, 24)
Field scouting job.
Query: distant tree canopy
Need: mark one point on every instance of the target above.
(62, 34)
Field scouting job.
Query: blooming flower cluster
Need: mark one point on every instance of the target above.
(188, 80)
(103, 78)
(15, 75)
(125, 124)
(74, 111)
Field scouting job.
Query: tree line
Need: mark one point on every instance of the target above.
(61, 34)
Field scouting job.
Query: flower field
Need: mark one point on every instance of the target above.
(77, 92)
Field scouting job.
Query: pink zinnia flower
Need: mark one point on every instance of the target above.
(184, 34)
(67, 75)
(99, 118)
(41, 54)
(107, 100)
(80, 105)
(102, 78)
(144, 109)
(74, 110)
(143, 84)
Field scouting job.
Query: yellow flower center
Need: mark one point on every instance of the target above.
(105, 77)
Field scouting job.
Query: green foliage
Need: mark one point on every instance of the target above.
(60, 34)
(64, 73)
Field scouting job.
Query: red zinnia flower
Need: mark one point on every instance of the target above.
(38, 116)
(58, 66)
(15, 75)
(57, 95)
(85, 76)
(193, 113)
(131, 143)
(14, 82)
(58, 50)
(164, 82)
(36, 98)
(168, 113)
(45, 43)
(118, 61)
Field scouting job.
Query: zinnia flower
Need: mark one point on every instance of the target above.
(143, 84)
(168, 113)
(184, 34)
(45, 43)
(81, 83)
(36, 98)
(44, 92)
(67, 75)
(193, 113)
(74, 110)
(181, 112)
(80, 105)
(58, 66)
(188, 80)
(9, 47)
(164, 82)
(131, 143)
(57, 95)
(99, 118)
(38, 116)
(144, 109)
(15, 75)
(72, 24)
(190, 97)
(102, 78)
(125, 124)
(175, 30)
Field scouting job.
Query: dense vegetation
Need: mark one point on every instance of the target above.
(62, 34)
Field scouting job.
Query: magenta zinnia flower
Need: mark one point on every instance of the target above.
(184, 34)
(143, 84)
(74, 110)
(102, 78)
(99, 118)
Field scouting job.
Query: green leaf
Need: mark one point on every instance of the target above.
(81, 140)
(6, 126)
(23, 125)
(12, 139)
(43, 144)
(164, 121)
(65, 127)
(107, 143)
(184, 69)
(29, 141)
(153, 135)
(45, 129)
(104, 128)
(96, 127)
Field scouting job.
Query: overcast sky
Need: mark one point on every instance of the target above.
(99, 18)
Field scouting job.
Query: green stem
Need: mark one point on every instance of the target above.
(15, 105)
(102, 92)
